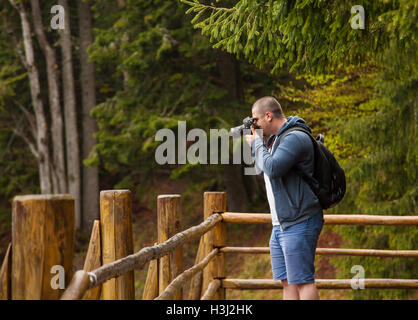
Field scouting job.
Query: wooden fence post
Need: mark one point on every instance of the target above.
(169, 223)
(151, 283)
(214, 202)
(195, 290)
(42, 244)
(117, 241)
(94, 260)
(5, 275)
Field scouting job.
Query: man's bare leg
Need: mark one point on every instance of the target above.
(290, 291)
(308, 291)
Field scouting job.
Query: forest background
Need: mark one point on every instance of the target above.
(80, 107)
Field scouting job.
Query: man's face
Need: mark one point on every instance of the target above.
(261, 120)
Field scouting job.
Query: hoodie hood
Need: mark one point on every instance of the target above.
(293, 121)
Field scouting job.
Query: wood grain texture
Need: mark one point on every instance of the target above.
(78, 286)
(252, 284)
(365, 219)
(151, 282)
(195, 289)
(169, 224)
(211, 290)
(214, 202)
(5, 275)
(331, 219)
(42, 237)
(332, 251)
(171, 290)
(117, 241)
(94, 260)
(140, 258)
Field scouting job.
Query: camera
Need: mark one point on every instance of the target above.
(246, 124)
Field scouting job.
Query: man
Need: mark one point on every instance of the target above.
(295, 210)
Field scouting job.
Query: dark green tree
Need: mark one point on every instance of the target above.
(163, 71)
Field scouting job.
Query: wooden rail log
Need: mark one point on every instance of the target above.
(172, 289)
(363, 219)
(332, 251)
(243, 284)
(330, 219)
(139, 259)
(211, 290)
(78, 286)
(256, 250)
(238, 217)
(368, 252)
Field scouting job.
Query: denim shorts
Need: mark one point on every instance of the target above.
(292, 250)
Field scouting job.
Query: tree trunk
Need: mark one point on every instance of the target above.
(90, 187)
(35, 89)
(237, 198)
(70, 112)
(59, 176)
(125, 39)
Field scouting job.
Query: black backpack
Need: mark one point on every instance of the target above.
(327, 172)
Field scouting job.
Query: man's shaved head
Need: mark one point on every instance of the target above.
(270, 104)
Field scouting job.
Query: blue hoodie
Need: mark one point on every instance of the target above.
(294, 199)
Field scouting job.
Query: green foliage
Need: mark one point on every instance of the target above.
(307, 36)
(384, 178)
(163, 72)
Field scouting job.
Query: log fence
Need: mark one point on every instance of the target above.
(110, 260)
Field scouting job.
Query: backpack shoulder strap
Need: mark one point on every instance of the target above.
(300, 172)
(294, 129)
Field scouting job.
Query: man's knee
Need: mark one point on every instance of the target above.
(305, 285)
(299, 285)
(287, 285)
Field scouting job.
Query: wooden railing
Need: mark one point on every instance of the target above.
(168, 280)
(207, 277)
(114, 269)
(110, 260)
(332, 219)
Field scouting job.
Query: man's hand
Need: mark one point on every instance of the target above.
(250, 138)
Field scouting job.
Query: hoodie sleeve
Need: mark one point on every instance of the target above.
(287, 154)
(258, 170)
